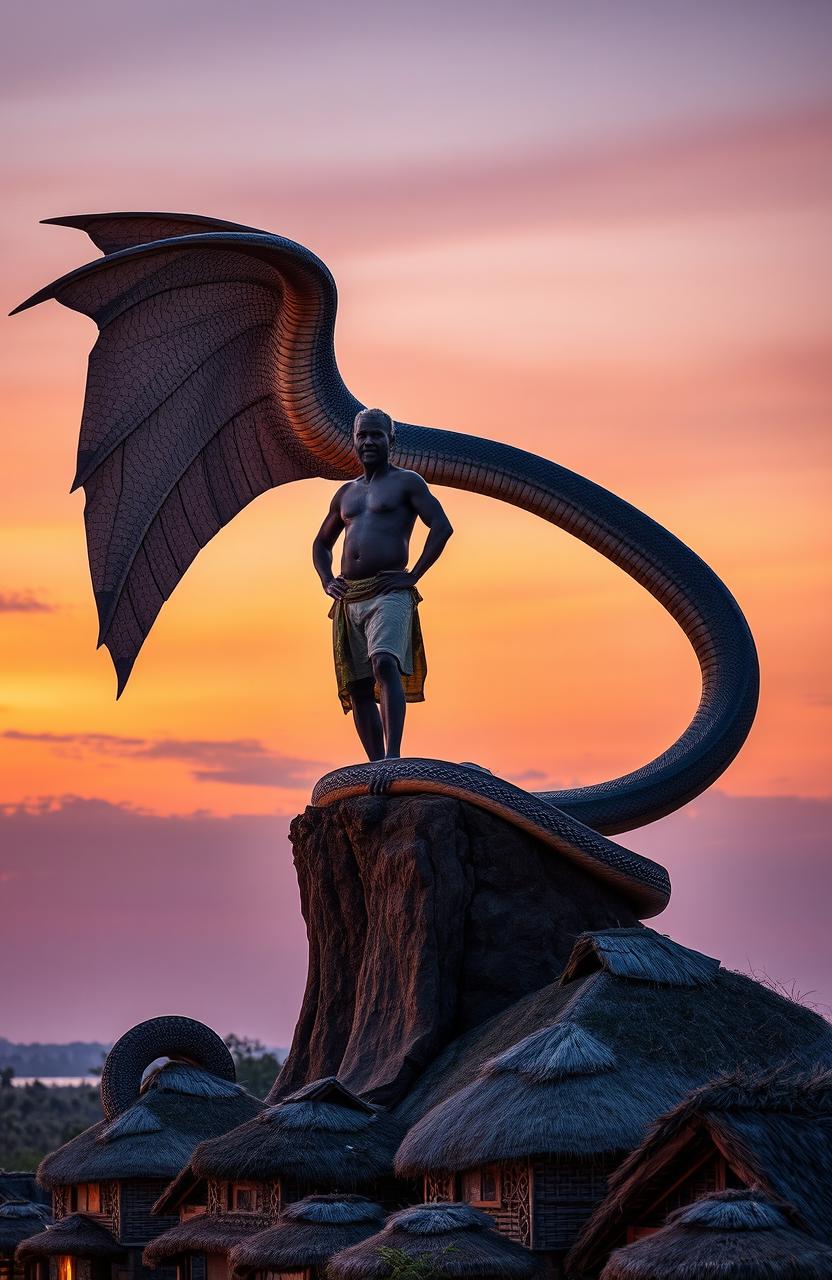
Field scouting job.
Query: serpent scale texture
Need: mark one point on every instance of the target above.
(214, 378)
(164, 1037)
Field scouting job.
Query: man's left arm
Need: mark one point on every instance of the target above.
(430, 511)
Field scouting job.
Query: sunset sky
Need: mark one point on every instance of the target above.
(599, 231)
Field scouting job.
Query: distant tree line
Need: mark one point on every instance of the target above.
(36, 1118)
(74, 1059)
(256, 1065)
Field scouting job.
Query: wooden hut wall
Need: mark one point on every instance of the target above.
(540, 1203)
(564, 1194)
(681, 1185)
(68, 1268)
(192, 1267)
(502, 1190)
(138, 1224)
(11, 1269)
(69, 1199)
(267, 1198)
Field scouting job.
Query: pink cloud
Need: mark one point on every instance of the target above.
(240, 761)
(23, 602)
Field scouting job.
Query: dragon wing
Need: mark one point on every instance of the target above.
(213, 379)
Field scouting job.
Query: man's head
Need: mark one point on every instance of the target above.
(373, 435)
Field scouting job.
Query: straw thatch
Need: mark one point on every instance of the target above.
(20, 1219)
(323, 1135)
(455, 1239)
(307, 1234)
(179, 1106)
(583, 1067)
(21, 1184)
(731, 1235)
(76, 1236)
(774, 1129)
(642, 954)
(202, 1233)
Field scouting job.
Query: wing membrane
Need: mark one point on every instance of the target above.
(213, 370)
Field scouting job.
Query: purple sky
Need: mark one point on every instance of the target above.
(136, 914)
(549, 206)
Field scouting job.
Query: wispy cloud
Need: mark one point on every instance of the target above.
(24, 602)
(237, 761)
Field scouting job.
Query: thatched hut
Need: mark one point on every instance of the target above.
(449, 1239)
(771, 1131)
(322, 1138)
(528, 1115)
(112, 1173)
(76, 1248)
(306, 1236)
(18, 1219)
(22, 1184)
(731, 1235)
(199, 1246)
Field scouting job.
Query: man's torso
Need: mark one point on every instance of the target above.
(378, 521)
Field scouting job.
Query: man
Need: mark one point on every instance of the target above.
(376, 633)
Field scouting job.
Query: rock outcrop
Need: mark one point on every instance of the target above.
(425, 916)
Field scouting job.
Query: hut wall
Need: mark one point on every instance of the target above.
(564, 1194)
(136, 1270)
(711, 1175)
(513, 1217)
(108, 1213)
(508, 1182)
(78, 1269)
(138, 1225)
(196, 1267)
(439, 1186)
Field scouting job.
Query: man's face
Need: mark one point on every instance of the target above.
(371, 440)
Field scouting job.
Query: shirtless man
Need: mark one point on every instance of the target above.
(376, 633)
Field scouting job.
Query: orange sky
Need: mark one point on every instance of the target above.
(653, 358)
(611, 247)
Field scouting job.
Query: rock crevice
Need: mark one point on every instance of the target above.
(425, 916)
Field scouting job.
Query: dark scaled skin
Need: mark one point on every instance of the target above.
(214, 379)
(377, 514)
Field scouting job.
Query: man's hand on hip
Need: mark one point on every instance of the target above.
(337, 588)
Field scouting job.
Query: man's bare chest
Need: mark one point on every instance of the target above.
(368, 501)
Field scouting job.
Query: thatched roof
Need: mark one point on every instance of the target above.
(21, 1184)
(307, 1234)
(203, 1233)
(731, 1235)
(639, 953)
(774, 1128)
(78, 1236)
(585, 1065)
(322, 1135)
(20, 1219)
(455, 1239)
(178, 1106)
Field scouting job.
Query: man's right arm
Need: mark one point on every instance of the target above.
(328, 535)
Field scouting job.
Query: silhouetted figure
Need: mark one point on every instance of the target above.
(377, 638)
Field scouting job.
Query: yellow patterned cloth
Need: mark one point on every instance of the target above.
(366, 622)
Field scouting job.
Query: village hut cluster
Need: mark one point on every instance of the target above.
(645, 1112)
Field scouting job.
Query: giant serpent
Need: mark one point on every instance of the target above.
(214, 378)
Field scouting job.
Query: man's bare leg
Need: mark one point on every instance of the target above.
(366, 717)
(393, 705)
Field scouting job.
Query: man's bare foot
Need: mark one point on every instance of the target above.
(380, 779)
